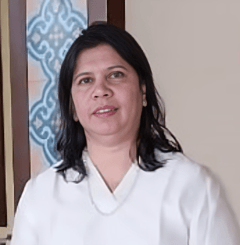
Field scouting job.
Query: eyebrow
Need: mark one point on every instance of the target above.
(81, 74)
(89, 73)
(117, 66)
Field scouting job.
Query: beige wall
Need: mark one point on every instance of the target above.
(194, 50)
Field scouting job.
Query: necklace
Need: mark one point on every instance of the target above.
(122, 201)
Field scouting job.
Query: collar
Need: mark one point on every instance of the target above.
(105, 201)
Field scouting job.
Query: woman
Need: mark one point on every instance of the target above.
(123, 178)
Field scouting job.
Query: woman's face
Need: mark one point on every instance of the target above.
(106, 93)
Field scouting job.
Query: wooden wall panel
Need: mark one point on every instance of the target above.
(3, 205)
(116, 13)
(18, 73)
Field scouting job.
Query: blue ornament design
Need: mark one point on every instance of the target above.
(49, 36)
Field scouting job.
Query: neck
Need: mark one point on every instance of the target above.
(112, 161)
(106, 155)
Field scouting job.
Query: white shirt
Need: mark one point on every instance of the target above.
(179, 204)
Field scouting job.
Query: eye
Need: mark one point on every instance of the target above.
(117, 74)
(85, 80)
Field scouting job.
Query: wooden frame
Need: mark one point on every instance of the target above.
(116, 13)
(19, 95)
(3, 205)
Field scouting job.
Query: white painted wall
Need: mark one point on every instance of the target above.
(194, 51)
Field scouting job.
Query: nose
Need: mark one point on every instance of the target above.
(102, 90)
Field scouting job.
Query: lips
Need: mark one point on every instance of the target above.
(104, 109)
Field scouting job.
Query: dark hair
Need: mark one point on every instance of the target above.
(153, 133)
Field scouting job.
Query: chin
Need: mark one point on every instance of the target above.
(103, 131)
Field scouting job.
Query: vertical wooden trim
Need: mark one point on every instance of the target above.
(7, 117)
(3, 205)
(116, 13)
(18, 76)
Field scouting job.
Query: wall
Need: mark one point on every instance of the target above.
(193, 48)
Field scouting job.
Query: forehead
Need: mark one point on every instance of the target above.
(102, 54)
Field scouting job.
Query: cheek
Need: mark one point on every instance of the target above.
(136, 97)
(80, 109)
(133, 102)
(130, 93)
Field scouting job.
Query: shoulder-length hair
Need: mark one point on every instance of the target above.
(152, 134)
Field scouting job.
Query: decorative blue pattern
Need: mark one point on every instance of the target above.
(49, 36)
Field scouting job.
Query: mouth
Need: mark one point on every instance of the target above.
(105, 109)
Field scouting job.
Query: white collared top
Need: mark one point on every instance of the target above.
(179, 204)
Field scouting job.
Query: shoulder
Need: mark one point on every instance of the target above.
(46, 178)
(50, 184)
(188, 180)
(196, 195)
(37, 195)
(185, 169)
(41, 184)
(191, 186)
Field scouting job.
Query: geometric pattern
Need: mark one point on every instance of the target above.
(49, 35)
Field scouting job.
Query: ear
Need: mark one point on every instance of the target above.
(75, 117)
(143, 88)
